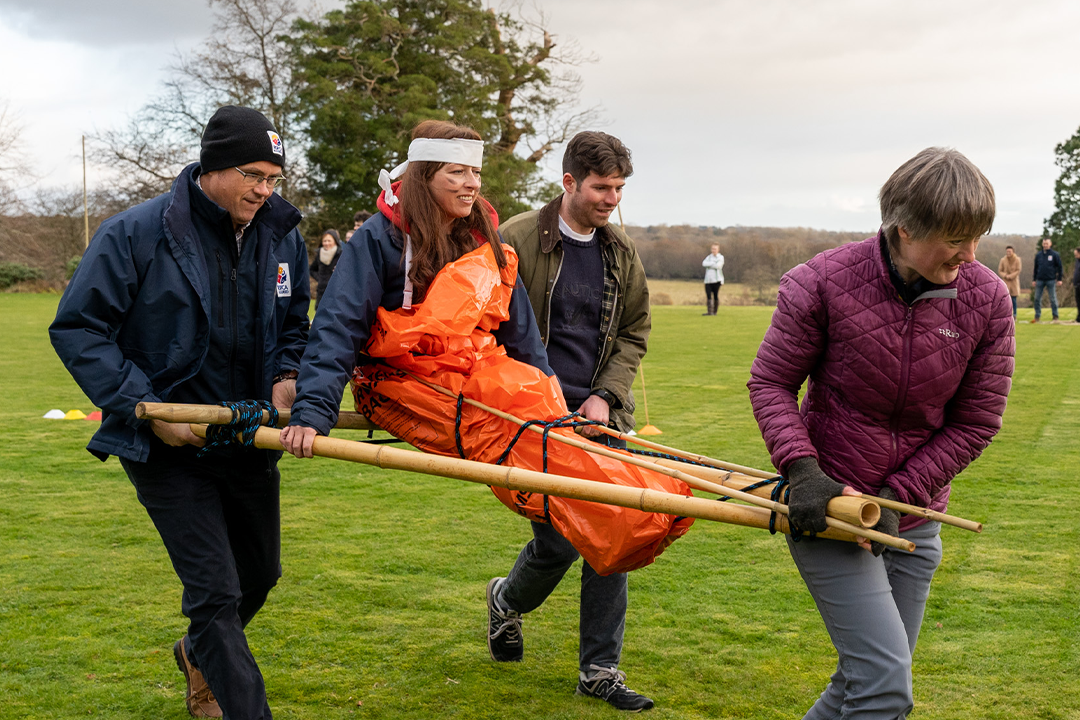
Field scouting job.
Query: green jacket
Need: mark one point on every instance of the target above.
(625, 319)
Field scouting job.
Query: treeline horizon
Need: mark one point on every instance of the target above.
(50, 239)
(761, 255)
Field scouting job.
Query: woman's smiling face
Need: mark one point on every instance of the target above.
(455, 188)
(935, 258)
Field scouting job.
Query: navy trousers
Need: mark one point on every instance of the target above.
(220, 520)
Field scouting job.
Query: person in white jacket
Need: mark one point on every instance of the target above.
(714, 278)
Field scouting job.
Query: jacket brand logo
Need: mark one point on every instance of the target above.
(949, 333)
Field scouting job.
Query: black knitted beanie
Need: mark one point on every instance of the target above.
(238, 135)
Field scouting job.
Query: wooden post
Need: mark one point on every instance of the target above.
(85, 205)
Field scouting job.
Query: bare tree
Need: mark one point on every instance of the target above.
(242, 62)
(538, 87)
(13, 162)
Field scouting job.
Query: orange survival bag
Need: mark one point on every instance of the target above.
(447, 341)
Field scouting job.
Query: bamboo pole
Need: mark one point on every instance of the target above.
(860, 510)
(174, 412)
(691, 480)
(220, 415)
(905, 508)
(519, 479)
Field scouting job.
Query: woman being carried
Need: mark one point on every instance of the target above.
(425, 293)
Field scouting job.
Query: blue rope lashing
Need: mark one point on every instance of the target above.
(780, 494)
(567, 421)
(666, 456)
(781, 489)
(246, 419)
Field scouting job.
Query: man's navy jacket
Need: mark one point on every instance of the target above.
(134, 323)
(1048, 266)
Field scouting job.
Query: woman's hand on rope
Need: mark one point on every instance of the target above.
(298, 440)
(594, 408)
(175, 434)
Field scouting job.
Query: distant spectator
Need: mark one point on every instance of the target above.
(714, 278)
(348, 234)
(325, 260)
(360, 218)
(1048, 275)
(1076, 281)
(1009, 271)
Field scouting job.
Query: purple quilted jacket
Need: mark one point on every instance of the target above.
(899, 395)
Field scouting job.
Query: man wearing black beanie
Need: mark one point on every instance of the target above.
(198, 296)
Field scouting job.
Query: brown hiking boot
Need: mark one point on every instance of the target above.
(200, 701)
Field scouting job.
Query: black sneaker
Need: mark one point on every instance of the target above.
(608, 685)
(504, 628)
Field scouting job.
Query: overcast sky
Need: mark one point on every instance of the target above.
(740, 112)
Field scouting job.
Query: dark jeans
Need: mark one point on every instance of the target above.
(712, 296)
(220, 521)
(1076, 292)
(538, 570)
(1014, 306)
(1051, 288)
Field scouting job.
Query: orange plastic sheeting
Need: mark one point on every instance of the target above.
(446, 340)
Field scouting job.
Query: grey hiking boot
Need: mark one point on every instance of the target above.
(608, 684)
(504, 628)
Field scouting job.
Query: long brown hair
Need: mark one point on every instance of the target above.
(432, 247)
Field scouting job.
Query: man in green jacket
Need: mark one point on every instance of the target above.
(587, 288)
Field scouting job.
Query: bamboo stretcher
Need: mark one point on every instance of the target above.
(519, 479)
(758, 516)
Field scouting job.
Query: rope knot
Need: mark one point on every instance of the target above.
(246, 419)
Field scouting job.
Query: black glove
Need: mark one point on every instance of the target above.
(811, 491)
(889, 522)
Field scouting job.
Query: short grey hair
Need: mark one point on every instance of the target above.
(938, 192)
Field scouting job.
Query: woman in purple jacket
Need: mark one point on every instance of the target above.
(908, 346)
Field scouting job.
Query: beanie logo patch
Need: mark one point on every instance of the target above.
(284, 281)
(275, 143)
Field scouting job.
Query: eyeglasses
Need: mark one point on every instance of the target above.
(255, 179)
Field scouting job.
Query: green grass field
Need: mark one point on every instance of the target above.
(380, 613)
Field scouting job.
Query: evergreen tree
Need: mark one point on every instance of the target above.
(1063, 226)
(371, 71)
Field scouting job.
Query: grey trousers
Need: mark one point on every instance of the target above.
(873, 609)
(540, 567)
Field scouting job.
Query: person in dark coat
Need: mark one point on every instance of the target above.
(1048, 274)
(197, 296)
(325, 260)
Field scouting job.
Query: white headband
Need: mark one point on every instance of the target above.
(457, 150)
